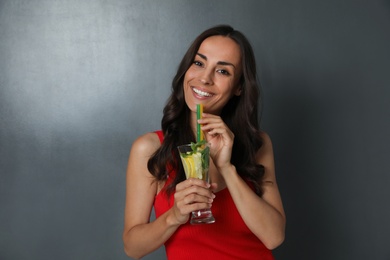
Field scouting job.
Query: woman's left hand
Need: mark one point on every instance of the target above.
(220, 138)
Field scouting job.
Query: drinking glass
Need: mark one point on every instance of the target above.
(195, 158)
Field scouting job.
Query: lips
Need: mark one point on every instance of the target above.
(202, 93)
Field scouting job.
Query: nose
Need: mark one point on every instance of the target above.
(206, 77)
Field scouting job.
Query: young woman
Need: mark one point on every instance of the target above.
(218, 71)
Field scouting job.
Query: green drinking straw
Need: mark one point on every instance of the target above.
(199, 132)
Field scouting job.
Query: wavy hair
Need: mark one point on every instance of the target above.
(240, 114)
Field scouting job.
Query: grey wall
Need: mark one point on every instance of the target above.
(80, 80)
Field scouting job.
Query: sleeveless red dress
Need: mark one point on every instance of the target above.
(227, 238)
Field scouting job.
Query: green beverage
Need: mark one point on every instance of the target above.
(195, 159)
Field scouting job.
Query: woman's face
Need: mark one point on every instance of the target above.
(213, 77)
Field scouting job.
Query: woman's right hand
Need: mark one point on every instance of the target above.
(190, 195)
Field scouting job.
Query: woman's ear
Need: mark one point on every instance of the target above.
(240, 83)
(237, 92)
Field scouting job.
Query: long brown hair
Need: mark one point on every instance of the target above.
(240, 114)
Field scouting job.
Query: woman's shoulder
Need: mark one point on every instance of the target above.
(147, 143)
(266, 146)
(265, 138)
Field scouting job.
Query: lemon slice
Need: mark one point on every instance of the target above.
(188, 165)
(192, 165)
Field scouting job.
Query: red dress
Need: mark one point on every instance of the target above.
(227, 238)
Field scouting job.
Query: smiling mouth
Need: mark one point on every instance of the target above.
(202, 93)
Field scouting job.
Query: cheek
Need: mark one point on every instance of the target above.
(190, 74)
(230, 87)
(186, 89)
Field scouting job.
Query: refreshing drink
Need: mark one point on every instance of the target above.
(195, 159)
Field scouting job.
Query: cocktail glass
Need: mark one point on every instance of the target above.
(195, 159)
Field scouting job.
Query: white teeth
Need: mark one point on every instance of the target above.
(202, 93)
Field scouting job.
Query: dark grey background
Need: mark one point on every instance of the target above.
(80, 80)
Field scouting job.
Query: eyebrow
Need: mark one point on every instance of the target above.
(219, 62)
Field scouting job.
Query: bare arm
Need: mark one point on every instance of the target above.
(264, 215)
(140, 236)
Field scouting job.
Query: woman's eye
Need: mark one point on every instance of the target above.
(198, 63)
(224, 72)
